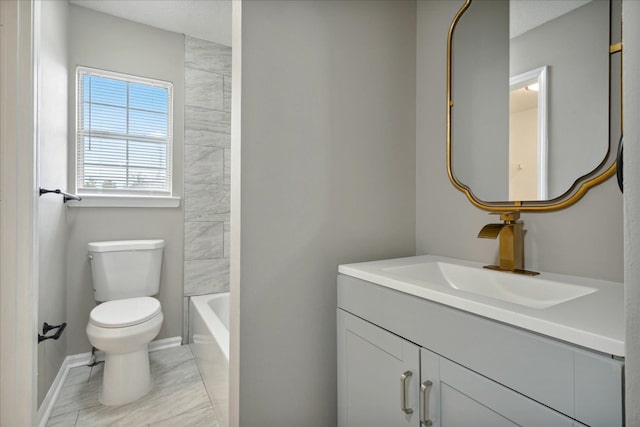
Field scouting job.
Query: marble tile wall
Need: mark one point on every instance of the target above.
(207, 127)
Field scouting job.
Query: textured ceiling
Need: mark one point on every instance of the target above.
(528, 14)
(211, 19)
(204, 19)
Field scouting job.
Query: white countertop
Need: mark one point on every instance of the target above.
(594, 321)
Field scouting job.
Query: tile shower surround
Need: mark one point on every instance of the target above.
(207, 130)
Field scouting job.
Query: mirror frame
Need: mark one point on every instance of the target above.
(581, 185)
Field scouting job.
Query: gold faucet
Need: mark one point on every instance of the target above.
(511, 243)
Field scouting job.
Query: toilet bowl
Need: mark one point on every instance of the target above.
(123, 329)
(125, 273)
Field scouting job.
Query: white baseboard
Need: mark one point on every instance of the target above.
(165, 343)
(49, 401)
(81, 359)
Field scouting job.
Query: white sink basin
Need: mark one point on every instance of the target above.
(528, 291)
(578, 310)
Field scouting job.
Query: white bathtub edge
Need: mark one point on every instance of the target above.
(212, 322)
(209, 343)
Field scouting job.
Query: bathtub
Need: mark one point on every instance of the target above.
(209, 342)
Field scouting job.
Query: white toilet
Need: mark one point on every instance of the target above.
(125, 275)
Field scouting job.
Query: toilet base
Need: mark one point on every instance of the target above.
(126, 377)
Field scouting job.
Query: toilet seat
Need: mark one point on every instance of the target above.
(125, 312)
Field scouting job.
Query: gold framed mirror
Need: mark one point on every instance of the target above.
(534, 101)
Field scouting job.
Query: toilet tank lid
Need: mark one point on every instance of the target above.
(125, 245)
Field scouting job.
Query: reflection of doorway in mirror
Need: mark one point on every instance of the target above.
(523, 145)
(528, 178)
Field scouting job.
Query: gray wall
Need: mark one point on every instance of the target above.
(327, 177)
(631, 36)
(578, 88)
(480, 115)
(52, 154)
(103, 41)
(584, 240)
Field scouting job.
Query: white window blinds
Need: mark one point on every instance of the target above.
(124, 134)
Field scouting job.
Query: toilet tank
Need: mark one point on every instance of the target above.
(125, 268)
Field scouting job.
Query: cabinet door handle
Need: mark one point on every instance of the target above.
(424, 406)
(403, 392)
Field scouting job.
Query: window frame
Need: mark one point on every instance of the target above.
(123, 197)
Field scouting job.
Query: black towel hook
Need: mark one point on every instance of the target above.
(65, 196)
(47, 327)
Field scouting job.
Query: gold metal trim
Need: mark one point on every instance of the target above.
(615, 48)
(517, 206)
(515, 271)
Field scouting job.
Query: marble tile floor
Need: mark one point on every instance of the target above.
(178, 397)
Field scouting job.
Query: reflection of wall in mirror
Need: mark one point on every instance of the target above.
(575, 47)
(480, 95)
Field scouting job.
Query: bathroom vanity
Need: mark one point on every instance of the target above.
(441, 342)
(436, 341)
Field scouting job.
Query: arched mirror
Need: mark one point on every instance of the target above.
(534, 100)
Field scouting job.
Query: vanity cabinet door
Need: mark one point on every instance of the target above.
(470, 399)
(378, 376)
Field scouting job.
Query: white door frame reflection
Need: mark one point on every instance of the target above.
(528, 174)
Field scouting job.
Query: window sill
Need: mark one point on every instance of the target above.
(101, 201)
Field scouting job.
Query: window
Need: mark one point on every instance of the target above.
(124, 134)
